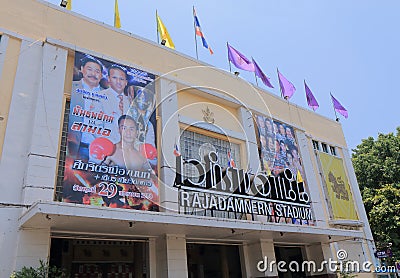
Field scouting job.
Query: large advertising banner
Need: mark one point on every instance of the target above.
(111, 155)
(278, 147)
(338, 187)
(278, 151)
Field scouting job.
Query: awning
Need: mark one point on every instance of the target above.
(67, 218)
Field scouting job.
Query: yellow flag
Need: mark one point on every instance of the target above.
(69, 5)
(165, 37)
(299, 177)
(117, 20)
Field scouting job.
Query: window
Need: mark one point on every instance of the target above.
(324, 147)
(315, 145)
(63, 152)
(196, 145)
(333, 150)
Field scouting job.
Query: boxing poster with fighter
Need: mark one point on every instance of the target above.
(111, 154)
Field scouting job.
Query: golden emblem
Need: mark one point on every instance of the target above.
(208, 116)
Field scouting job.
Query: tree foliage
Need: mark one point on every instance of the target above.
(44, 270)
(377, 162)
(377, 167)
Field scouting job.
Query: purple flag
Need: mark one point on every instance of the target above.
(287, 88)
(261, 75)
(239, 60)
(311, 101)
(339, 108)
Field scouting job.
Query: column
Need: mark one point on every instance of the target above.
(258, 256)
(252, 157)
(22, 70)
(312, 179)
(360, 205)
(317, 253)
(46, 128)
(32, 246)
(169, 134)
(171, 256)
(152, 258)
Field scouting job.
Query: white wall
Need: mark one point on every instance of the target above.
(313, 180)
(30, 151)
(169, 133)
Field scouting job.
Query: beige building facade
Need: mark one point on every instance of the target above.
(234, 176)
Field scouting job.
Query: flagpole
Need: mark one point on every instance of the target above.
(195, 37)
(230, 68)
(255, 76)
(333, 105)
(279, 81)
(158, 39)
(307, 95)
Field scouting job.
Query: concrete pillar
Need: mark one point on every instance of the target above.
(26, 64)
(360, 206)
(169, 133)
(318, 203)
(161, 257)
(317, 253)
(9, 49)
(252, 157)
(36, 109)
(8, 239)
(42, 157)
(3, 48)
(32, 246)
(176, 256)
(171, 256)
(152, 258)
(258, 255)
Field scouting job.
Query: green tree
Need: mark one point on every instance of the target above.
(377, 167)
(42, 271)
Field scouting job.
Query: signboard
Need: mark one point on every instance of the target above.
(338, 187)
(278, 147)
(384, 254)
(229, 189)
(111, 156)
(278, 151)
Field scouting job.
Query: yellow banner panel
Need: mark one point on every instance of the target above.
(338, 187)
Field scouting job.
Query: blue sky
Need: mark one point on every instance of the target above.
(349, 48)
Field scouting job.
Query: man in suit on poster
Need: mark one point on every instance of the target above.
(117, 103)
(85, 95)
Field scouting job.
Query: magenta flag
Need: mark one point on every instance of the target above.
(311, 101)
(239, 60)
(339, 108)
(260, 74)
(287, 88)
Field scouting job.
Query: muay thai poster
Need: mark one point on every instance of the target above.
(111, 157)
(278, 151)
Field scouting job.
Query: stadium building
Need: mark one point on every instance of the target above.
(120, 157)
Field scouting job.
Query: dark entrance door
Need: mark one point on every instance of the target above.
(290, 254)
(100, 258)
(213, 261)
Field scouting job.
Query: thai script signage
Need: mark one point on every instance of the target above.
(229, 189)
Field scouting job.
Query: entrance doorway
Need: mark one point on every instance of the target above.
(84, 258)
(290, 254)
(213, 261)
